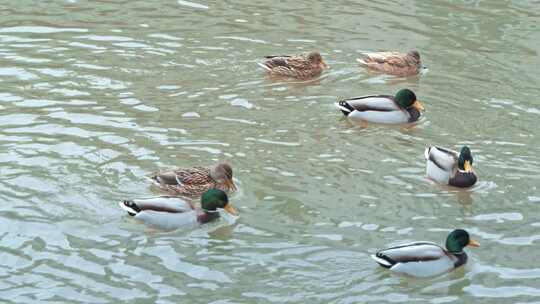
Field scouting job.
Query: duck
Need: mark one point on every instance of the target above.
(171, 213)
(393, 63)
(425, 259)
(449, 167)
(302, 66)
(401, 108)
(192, 182)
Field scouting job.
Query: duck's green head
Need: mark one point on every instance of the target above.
(406, 99)
(465, 159)
(213, 199)
(459, 239)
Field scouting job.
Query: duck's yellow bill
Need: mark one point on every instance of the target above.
(467, 166)
(473, 243)
(418, 105)
(230, 209)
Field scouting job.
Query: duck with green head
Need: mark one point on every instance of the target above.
(425, 259)
(401, 108)
(449, 167)
(170, 213)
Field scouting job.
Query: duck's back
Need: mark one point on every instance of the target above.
(190, 182)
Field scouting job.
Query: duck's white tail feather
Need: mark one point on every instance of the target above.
(383, 262)
(127, 208)
(426, 153)
(264, 66)
(361, 61)
(342, 108)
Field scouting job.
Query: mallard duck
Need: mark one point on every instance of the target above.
(424, 259)
(169, 213)
(192, 182)
(402, 108)
(298, 66)
(393, 63)
(450, 167)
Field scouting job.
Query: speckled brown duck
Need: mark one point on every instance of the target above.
(393, 63)
(302, 66)
(193, 182)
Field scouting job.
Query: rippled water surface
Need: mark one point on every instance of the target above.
(95, 95)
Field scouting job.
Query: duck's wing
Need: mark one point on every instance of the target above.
(381, 103)
(445, 159)
(411, 252)
(163, 204)
(180, 177)
(272, 62)
(382, 57)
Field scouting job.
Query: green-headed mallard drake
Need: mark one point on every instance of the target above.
(169, 213)
(449, 167)
(393, 63)
(301, 66)
(402, 108)
(192, 182)
(424, 259)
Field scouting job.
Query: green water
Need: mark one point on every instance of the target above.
(95, 95)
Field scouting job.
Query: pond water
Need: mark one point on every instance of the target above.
(95, 95)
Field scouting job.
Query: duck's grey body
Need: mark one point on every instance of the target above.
(167, 220)
(165, 213)
(420, 259)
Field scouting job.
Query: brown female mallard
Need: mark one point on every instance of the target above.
(393, 63)
(192, 182)
(298, 66)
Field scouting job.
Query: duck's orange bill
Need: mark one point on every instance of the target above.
(324, 64)
(418, 105)
(473, 243)
(230, 184)
(230, 209)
